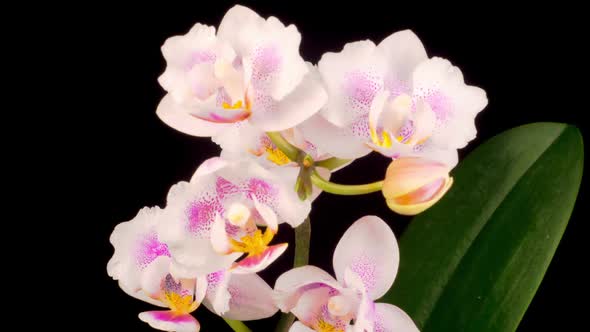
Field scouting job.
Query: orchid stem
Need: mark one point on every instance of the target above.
(302, 238)
(332, 163)
(343, 189)
(291, 151)
(237, 326)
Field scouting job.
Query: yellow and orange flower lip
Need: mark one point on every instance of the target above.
(413, 184)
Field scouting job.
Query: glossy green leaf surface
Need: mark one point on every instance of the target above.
(474, 261)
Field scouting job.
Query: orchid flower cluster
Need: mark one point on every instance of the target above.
(284, 125)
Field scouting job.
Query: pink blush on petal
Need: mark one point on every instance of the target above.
(170, 317)
(199, 57)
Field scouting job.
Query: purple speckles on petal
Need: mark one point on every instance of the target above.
(171, 286)
(213, 279)
(264, 103)
(396, 87)
(233, 231)
(361, 87)
(406, 131)
(440, 104)
(360, 127)
(264, 191)
(266, 63)
(201, 215)
(149, 248)
(366, 269)
(225, 188)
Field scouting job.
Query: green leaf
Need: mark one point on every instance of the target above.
(474, 261)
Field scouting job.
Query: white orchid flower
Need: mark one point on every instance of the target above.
(214, 219)
(141, 263)
(365, 261)
(249, 71)
(393, 99)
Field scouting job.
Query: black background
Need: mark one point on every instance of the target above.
(124, 158)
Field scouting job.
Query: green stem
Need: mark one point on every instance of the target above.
(332, 163)
(237, 326)
(291, 151)
(343, 189)
(302, 237)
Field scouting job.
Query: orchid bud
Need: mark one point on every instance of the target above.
(413, 184)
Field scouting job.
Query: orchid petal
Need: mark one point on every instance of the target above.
(311, 305)
(267, 214)
(369, 249)
(218, 297)
(178, 117)
(292, 284)
(353, 78)
(270, 48)
(336, 141)
(256, 263)
(219, 238)
(404, 52)
(249, 297)
(186, 228)
(153, 274)
(294, 108)
(136, 245)
(299, 327)
(208, 167)
(455, 104)
(221, 115)
(170, 321)
(141, 295)
(389, 318)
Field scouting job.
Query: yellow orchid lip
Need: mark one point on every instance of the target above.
(323, 326)
(236, 105)
(253, 244)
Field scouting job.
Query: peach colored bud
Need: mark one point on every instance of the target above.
(413, 184)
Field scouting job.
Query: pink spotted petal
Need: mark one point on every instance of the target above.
(218, 296)
(253, 264)
(169, 321)
(369, 249)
